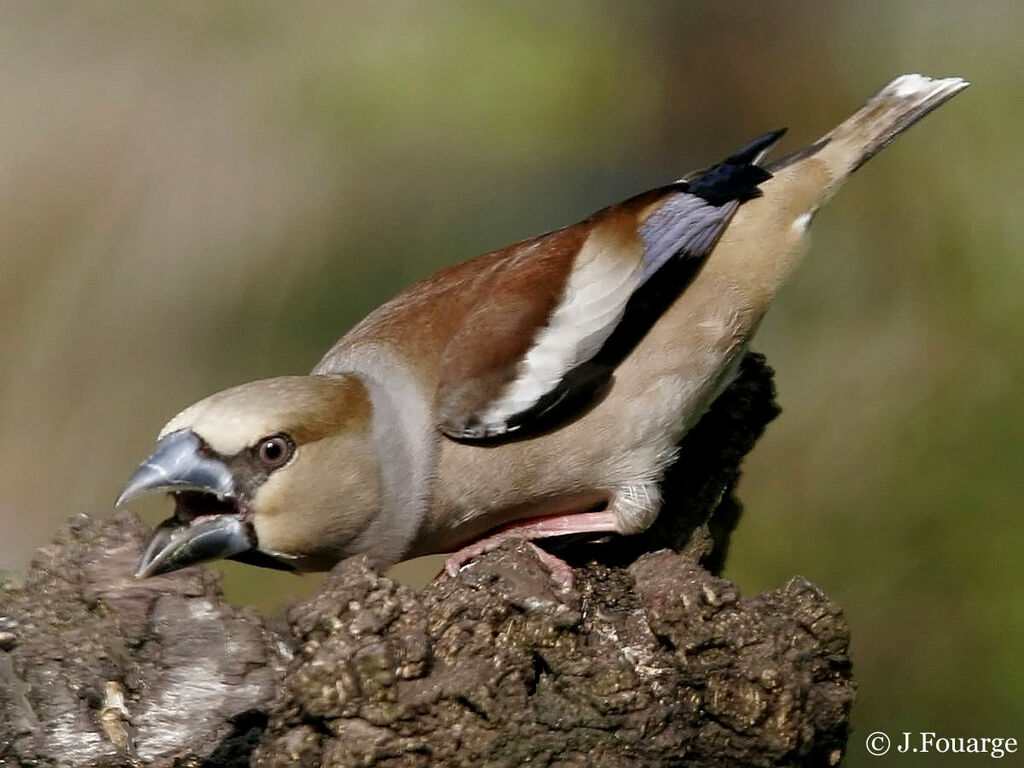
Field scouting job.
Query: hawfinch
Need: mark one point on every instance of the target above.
(535, 391)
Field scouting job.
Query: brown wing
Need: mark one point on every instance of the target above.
(565, 308)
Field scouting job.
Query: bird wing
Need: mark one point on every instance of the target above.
(557, 313)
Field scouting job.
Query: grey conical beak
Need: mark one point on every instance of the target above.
(178, 464)
(176, 545)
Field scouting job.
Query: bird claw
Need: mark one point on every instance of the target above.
(537, 528)
(561, 572)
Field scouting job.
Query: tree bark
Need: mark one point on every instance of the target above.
(649, 660)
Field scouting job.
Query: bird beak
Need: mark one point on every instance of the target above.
(177, 464)
(176, 545)
(207, 524)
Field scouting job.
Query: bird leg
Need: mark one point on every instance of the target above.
(537, 528)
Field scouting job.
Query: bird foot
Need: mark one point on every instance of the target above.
(537, 528)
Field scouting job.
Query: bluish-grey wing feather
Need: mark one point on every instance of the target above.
(685, 225)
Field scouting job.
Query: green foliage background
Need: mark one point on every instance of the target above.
(198, 194)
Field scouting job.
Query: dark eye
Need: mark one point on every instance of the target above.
(274, 451)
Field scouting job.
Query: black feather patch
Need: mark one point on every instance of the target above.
(753, 150)
(736, 177)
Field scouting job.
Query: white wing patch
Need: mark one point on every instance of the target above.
(605, 275)
(602, 281)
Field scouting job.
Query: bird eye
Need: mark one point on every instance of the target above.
(274, 451)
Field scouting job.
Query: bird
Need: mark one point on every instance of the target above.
(535, 391)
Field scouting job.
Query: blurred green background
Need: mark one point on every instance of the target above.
(196, 194)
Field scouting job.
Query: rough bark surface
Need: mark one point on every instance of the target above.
(100, 669)
(649, 660)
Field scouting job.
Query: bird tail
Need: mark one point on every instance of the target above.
(887, 114)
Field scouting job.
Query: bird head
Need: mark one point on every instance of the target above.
(280, 473)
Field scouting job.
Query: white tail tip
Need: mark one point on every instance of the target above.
(906, 86)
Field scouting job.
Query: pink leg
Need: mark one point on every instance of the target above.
(537, 528)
